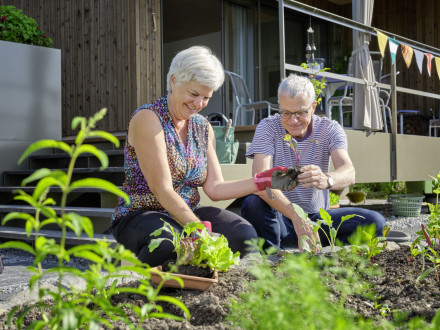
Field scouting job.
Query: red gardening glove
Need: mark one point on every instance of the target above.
(207, 225)
(263, 180)
(280, 177)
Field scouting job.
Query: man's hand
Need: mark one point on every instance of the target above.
(303, 229)
(313, 177)
(282, 178)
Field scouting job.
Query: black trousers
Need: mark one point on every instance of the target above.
(134, 230)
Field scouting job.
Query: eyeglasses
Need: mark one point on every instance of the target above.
(298, 114)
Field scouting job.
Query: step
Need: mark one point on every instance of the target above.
(115, 175)
(11, 233)
(61, 159)
(84, 211)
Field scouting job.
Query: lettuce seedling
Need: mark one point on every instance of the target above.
(195, 246)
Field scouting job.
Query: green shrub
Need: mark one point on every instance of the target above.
(17, 27)
(334, 199)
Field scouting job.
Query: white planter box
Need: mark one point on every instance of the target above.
(30, 98)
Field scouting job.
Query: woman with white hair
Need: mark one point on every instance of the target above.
(169, 153)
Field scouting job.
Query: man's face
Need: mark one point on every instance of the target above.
(296, 114)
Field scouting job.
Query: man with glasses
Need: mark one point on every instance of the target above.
(317, 140)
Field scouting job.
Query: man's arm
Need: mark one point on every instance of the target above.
(343, 175)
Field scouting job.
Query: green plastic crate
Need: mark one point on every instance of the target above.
(407, 205)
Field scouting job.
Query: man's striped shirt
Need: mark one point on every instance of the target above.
(329, 135)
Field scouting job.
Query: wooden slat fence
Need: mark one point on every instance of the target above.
(111, 55)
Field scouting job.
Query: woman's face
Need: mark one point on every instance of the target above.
(297, 127)
(187, 99)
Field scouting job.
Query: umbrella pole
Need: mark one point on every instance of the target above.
(394, 128)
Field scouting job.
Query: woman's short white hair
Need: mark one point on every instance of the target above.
(198, 64)
(294, 85)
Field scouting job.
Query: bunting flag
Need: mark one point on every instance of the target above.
(419, 59)
(428, 65)
(437, 66)
(393, 49)
(407, 53)
(382, 40)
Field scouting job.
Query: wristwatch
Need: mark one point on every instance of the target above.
(330, 181)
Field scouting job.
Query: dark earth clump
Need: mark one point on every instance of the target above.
(187, 269)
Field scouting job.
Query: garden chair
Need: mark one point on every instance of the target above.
(244, 100)
(346, 99)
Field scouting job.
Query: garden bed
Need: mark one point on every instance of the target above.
(396, 290)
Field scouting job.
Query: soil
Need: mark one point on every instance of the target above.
(397, 288)
(187, 269)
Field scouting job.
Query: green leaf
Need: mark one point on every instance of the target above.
(37, 175)
(101, 155)
(425, 273)
(78, 121)
(326, 217)
(155, 243)
(17, 215)
(43, 186)
(89, 256)
(100, 184)
(349, 216)
(300, 211)
(107, 136)
(176, 302)
(43, 144)
(18, 245)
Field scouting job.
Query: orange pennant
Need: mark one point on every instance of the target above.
(429, 58)
(407, 53)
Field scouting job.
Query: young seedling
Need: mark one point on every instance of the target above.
(327, 220)
(372, 247)
(194, 246)
(293, 144)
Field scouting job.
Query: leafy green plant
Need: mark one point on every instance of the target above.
(70, 308)
(334, 199)
(318, 84)
(17, 27)
(326, 219)
(294, 146)
(371, 248)
(195, 246)
(294, 292)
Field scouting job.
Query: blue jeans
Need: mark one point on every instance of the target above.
(278, 230)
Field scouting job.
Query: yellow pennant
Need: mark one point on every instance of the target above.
(382, 40)
(407, 53)
(437, 65)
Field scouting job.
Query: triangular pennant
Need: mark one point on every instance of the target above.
(407, 53)
(429, 57)
(437, 66)
(419, 59)
(393, 48)
(382, 40)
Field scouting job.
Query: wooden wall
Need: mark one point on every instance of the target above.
(111, 54)
(416, 20)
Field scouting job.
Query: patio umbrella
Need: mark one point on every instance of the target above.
(366, 107)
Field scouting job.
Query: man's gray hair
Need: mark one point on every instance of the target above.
(198, 64)
(294, 85)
